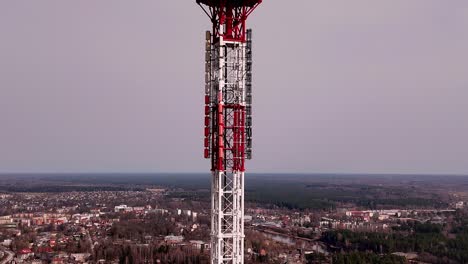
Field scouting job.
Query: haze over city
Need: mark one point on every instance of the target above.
(339, 86)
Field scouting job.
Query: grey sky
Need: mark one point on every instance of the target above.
(339, 86)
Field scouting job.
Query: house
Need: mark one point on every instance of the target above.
(80, 257)
(199, 244)
(173, 239)
(25, 253)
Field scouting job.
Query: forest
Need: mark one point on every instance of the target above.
(433, 242)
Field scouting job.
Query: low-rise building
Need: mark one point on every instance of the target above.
(171, 239)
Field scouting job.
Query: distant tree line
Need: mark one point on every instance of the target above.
(135, 254)
(367, 258)
(64, 189)
(412, 237)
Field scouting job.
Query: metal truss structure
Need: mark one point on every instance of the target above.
(228, 121)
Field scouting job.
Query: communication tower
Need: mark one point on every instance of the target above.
(228, 121)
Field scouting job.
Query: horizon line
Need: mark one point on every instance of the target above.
(272, 173)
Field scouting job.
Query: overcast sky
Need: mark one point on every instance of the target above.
(339, 86)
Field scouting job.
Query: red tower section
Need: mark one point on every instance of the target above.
(229, 17)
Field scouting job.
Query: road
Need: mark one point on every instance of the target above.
(9, 256)
(90, 242)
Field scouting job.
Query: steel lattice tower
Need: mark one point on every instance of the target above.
(228, 121)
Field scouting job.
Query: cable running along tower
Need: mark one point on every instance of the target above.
(228, 121)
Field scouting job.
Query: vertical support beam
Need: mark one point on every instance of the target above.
(248, 91)
(208, 148)
(227, 229)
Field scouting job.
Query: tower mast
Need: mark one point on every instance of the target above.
(228, 121)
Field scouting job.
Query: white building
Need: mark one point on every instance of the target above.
(173, 239)
(123, 208)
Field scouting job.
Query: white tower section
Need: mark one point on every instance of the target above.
(227, 91)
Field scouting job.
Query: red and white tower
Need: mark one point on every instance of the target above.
(228, 121)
